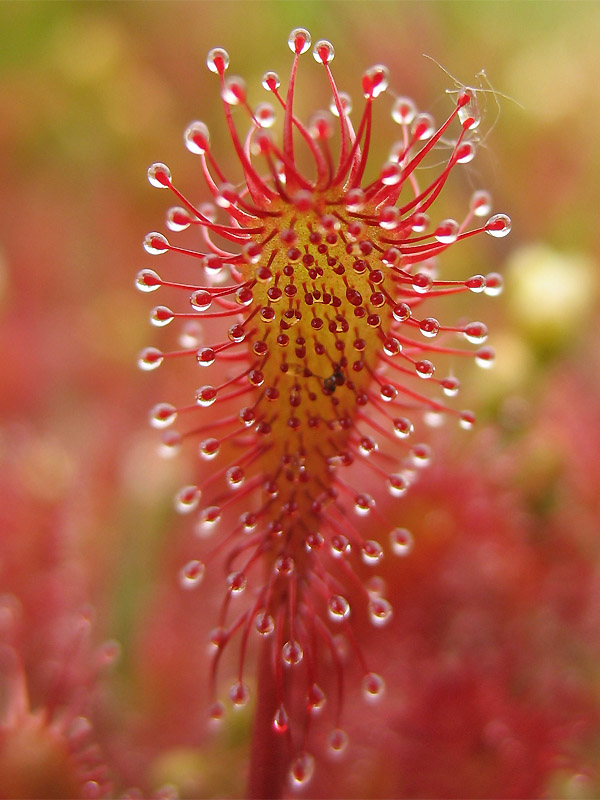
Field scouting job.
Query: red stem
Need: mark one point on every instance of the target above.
(269, 756)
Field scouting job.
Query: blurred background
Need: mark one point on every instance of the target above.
(492, 661)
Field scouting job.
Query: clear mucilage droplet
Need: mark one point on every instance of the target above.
(292, 653)
(147, 280)
(234, 91)
(161, 316)
(323, 52)
(159, 175)
(216, 58)
(380, 611)
(338, 741)
(206, 395)
(178, 219)
(156, 244)
(299, 40)
(302, 769)
(265, 624)
(239, 694)
(498, 226)
(150, 358)
(191, 574)
(475, 332)
(404, 111)
(236, 582)
(373, 686)
(162, 415)
(447, 231)
(265, 115)
(401, 541)
(196, 138)
(187, 499)
(468, 113)
(280, 720)
(481, 203)
(371, 552)
(339, 608)
(271, 81)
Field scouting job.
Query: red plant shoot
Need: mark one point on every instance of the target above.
(317, 282)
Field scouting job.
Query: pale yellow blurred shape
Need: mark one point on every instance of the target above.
(86, 49)
(197, 772)
(551, 293)
(512, 366)
(572, 786)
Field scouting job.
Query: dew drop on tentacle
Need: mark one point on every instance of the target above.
(484, 357)
(404, 111)
(239, 694)
(265, 624)
(423, 126)
(150, 358)
(315, 699)
(206, 396)
(338, 741)
(216, 712)
(371, 552)
(209, 448)
(299, 40)
(161, 316)
(159, 175)
(147, 280)
(468, 111)
(217, 60)
(466, 420)
(450, 386)
(271, 81)
(280, 720)
(187, 499)
(498, 226)
(373, 687)
(236, 582)
(493, 284)
(339, 608)
(401, 541)
(429, 327)
(420, 455)
(475, 332)
(302, 769)
(397, 485)
(476, 284)
(206, 357)
(380, 611)
(156, 244)
(197, 138)
(323, 52)
(447, 231)
(292, 653)
(170, 445)
(178, 219)
(201, 300)
(191, 574)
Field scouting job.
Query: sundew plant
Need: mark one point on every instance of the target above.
(313, 330)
